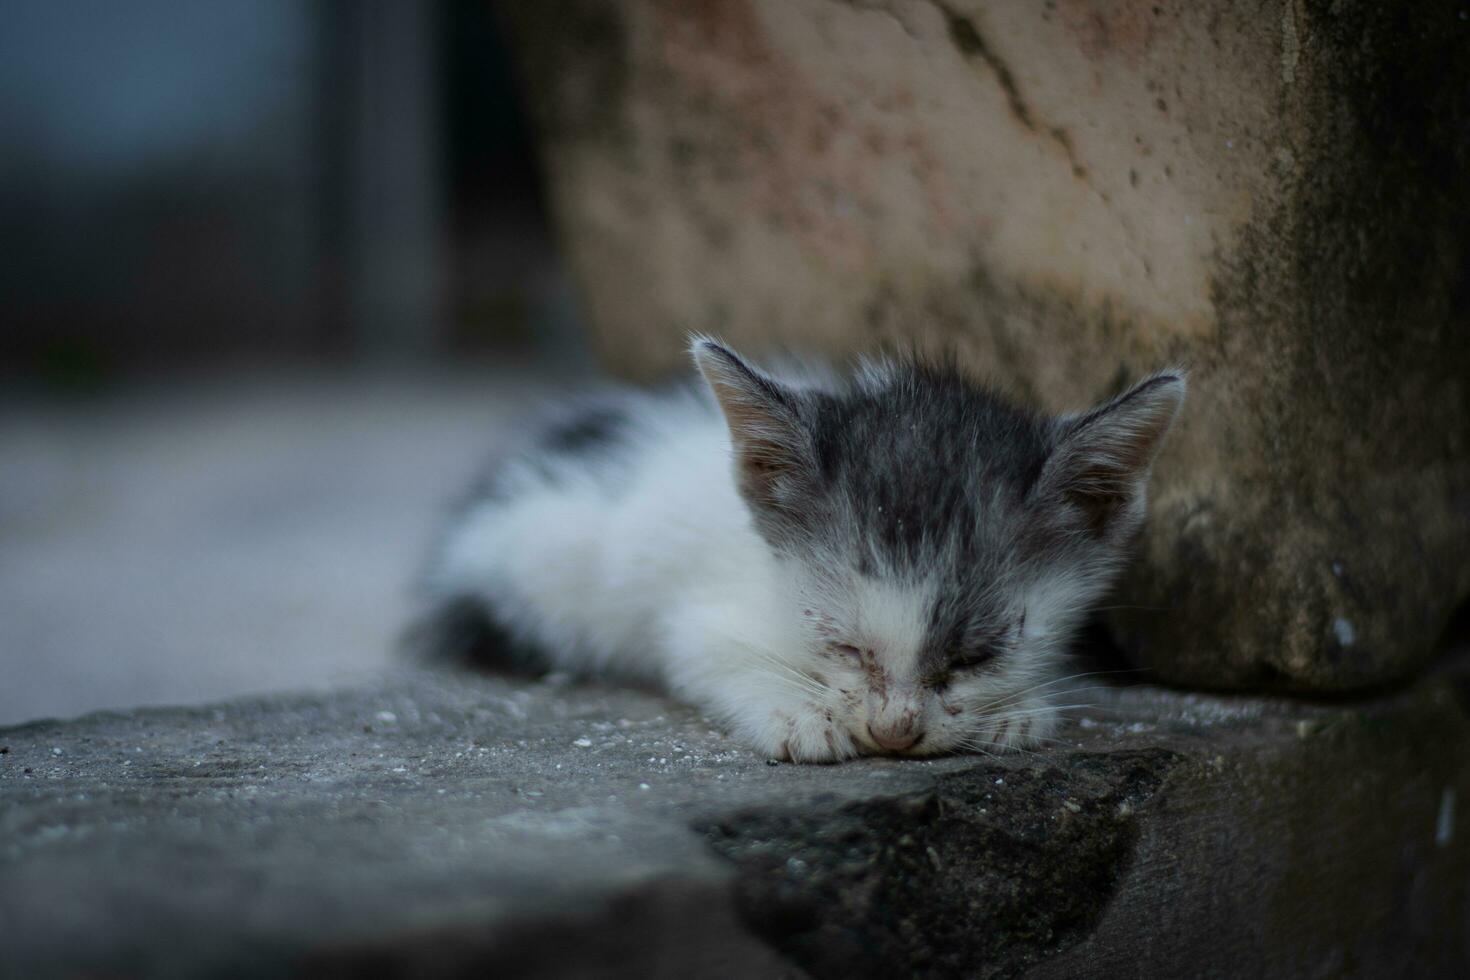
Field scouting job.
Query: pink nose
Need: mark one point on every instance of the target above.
(894, 740)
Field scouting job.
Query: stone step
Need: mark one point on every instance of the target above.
(442, 824)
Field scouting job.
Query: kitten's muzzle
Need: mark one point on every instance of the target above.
(895, 740)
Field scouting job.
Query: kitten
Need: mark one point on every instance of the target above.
(890, 563)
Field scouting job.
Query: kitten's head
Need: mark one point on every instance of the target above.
(940, 546)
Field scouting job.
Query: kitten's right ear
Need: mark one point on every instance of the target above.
(1103, 457)
(765, 427)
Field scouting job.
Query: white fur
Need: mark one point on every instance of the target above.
(644, 562)
(667, 581)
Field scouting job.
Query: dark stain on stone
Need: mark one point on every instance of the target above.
(682, 152)
(967, 38)
(573, 66)
(1364, 256)
(993, 871)
(972, 44)
(1064, 140)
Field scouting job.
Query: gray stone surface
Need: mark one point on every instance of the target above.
(440, 824)
(1069, 194)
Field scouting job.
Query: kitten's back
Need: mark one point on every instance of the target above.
(564, 547)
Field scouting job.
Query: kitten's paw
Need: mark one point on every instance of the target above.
(807, 736)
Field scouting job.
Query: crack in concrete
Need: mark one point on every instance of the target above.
(879, 7)
(972, 44)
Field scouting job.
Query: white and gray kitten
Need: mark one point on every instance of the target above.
(891, 563)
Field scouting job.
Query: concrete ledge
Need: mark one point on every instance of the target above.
(446, 825)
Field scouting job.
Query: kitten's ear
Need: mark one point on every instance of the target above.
(1102, 458)
(765, 427)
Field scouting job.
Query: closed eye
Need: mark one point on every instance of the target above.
(847, 650)
(973, 659)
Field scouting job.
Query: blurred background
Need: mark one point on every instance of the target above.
(275, 274)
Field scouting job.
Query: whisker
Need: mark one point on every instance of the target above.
(1041, 711)
(1006, 702)
(1108, 709)
(1018, 750)
(970, 745)
(787, 682)
(991, 735)
(978, 741)
(1072, 677)
(1053, 739)
(803, 681)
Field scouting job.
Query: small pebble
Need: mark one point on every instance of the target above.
(386, 717)
(55, 750)
(644, 786)
(583, 743)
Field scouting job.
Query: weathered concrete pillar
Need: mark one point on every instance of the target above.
(1072, 193)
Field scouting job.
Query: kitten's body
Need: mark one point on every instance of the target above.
(832, 567)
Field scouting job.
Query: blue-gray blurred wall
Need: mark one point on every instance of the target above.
(263, 179)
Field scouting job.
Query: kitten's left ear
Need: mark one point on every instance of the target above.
(765, 426)
(1102, 458)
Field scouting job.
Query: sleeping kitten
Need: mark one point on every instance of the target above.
(887, 564)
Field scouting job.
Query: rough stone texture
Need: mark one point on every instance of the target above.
(447, 825)
(1072, 193)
